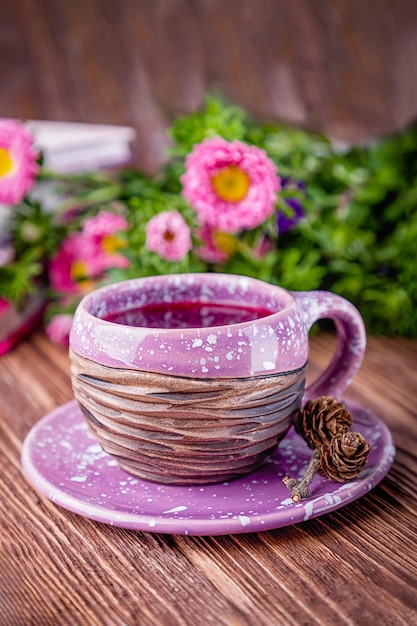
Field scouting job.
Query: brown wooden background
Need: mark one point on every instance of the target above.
(346, 67)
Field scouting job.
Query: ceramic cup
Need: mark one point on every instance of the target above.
(195, 378)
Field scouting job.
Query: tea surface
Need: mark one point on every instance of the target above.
(187, 315)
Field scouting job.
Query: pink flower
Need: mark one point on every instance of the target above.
(83, 257)
(168, 234)
(58, 329)
(18, 167)
(66, 267)
(100, 235)
(263, 247)
(211, 251)
(232, 186)
(4, 305)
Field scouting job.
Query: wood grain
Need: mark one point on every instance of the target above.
(352, 566)
(346, 68)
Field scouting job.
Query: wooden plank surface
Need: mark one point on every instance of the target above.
(352, 566)
(344, 67)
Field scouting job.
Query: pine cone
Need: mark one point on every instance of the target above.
(345, 457)
(320, 420)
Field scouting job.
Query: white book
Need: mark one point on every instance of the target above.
(78, 147)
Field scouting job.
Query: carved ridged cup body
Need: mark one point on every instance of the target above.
(209, 403)
(185, 430)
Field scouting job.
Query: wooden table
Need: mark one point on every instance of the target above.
(356, 565)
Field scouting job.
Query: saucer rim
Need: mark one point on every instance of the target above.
(290, 514)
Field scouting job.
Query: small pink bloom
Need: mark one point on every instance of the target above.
(103, 224)
(209, 251)
(4, 305)
(232, 186)
(168, 234)
(83, 257)
(100, 234)
(264, 247)
(61, 268)
(18, 167)
(58, 329)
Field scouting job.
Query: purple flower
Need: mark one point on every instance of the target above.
(286, 222)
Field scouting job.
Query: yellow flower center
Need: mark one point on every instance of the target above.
(78, 270)
(79, 275)
(112, 243)
(225, 242)
(231, 183)
(6, 162)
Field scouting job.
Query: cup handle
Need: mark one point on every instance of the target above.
(350, 349)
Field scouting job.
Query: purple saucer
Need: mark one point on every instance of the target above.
(62, 461)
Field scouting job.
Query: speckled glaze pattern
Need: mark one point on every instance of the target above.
(276, 343)
(121, 374)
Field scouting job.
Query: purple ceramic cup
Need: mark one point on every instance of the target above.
(195, 378)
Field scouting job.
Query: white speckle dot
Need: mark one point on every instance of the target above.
(268, 365)
(152, 523)
(94, 449)
(177, 509)
(78, 479)
(66, 444)
(244, 520)
(229, 356)
(197, 343)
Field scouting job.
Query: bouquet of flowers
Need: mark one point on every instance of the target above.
(235, 196)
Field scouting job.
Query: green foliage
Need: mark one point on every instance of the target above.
(18, 279)
(214, 120)
(359, 234)
(357, 238)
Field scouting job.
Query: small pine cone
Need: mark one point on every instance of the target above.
(345, 457)
(321, 419)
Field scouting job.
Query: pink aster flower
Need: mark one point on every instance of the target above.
(231, 186)
(212, 250)
(18, 167)
(68, 270)
(101, 235)
(58, 329)
(83, 257)
(168, 234)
